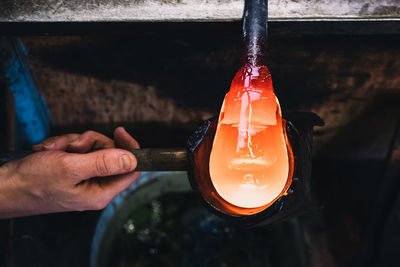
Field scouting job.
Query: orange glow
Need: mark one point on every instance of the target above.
(250, 160)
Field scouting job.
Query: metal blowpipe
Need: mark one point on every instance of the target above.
(148, 159)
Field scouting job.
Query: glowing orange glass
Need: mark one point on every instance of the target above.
(250, 156)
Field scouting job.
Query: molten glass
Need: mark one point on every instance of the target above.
(249, 161)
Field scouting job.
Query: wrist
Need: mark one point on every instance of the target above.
(13, 201)
(6, 174)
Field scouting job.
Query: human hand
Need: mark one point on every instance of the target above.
(62, 176)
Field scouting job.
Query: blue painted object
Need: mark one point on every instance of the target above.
(30, 108)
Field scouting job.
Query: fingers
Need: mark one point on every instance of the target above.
(124, 139)
(102, 190)
(106, 162)
(98, 176)
(116, 185)
(56, 142)
(87, 141)
(90, 140)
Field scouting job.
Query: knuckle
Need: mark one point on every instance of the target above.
(70, 138)
(50, 140)
(90, 133)
(103, 166)
(64, 162)
(87, 136)
(73, 135)
(66, 165)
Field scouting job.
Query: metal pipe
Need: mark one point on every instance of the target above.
(148, 159)
(255, 32)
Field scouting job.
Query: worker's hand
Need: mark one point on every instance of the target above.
(62, 177)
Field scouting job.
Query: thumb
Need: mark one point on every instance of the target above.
(105, 162)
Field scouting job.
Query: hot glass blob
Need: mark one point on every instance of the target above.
(249, 161)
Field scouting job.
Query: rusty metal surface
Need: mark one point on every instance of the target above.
(192, 10)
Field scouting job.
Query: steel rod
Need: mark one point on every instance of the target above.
(149, 159)
(255, 32)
